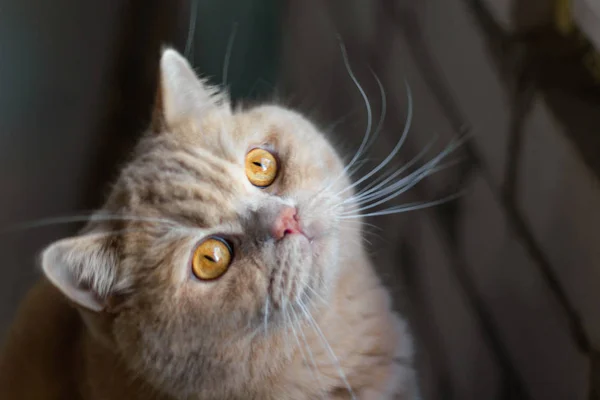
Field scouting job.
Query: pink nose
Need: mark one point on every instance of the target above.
(286, 223)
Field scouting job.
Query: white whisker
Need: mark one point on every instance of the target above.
(116, 232)
(406, 183)
(266, 316)
(287, 324)
(85, 218)
(358, 166)
(191, 31)
(383, 111)
(377, 183)
(402, 188)
(369, 116)
(367, 105)
(407, 207)
(321, 298)
(331, 127)
(291, 323)
(396, 148)
(326, 304)
(228, 52)
(365, 224)
(313, 365)
(327, 347)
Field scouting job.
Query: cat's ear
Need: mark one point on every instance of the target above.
(84, 269)
(181, 95)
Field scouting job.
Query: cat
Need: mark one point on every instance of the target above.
(220, 267)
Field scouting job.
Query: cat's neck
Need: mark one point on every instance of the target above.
(260, 358)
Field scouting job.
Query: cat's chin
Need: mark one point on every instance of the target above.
(301, 239)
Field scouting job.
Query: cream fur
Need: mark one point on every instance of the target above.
(144, 328)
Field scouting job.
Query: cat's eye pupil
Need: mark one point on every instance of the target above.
(257, 164)
(209, 258)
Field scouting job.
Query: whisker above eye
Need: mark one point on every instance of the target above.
(368, 140)
(191, 30)
(369, 111)
(396, 148)
(383, 99)
(367, 105)
(228, 52)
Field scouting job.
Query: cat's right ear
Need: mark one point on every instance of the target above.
(181, 95)
(84, 269)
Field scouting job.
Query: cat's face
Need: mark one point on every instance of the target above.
(197, 177)
(229, 219)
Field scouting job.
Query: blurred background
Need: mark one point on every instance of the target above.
(501, 287)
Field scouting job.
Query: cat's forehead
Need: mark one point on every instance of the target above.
(230, 135)
(196, 171)
(267, 124)
(274, 123)
(183, 182)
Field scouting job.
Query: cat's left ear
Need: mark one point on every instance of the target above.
(181, 95)
(84, 269)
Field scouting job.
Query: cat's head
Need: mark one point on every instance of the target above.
(222, 221)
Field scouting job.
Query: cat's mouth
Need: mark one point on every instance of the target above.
(298, 233)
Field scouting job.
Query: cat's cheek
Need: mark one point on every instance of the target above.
(324, 245)
(326, 255)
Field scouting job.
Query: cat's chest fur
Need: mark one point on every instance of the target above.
(50, 356)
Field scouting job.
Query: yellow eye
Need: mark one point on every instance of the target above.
(211, 259)
(261, 167)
